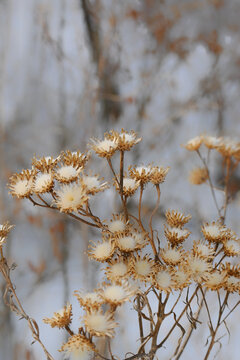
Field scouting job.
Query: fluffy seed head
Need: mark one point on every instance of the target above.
(194, 144)
(118, 293)
(93, 184)
(172, 256)
(89, 300)
(61, 318)
(163, 279)
(125, 140)
(129, 186)
(117, 224)
(198, 268)
(67, 173)
(215, 280)
(71, 197)
(158, 174)
(100, 324)
(176, 235)
(101, 251)
(181, 278)
(117, 269)
(141, 267)
(231, 247)
(203, 250)
(21, 185)
(126, 243)
(78, 347)
(104, 148)
(214, 232)
(141, 173)
(43, 183)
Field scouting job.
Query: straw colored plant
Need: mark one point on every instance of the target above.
(136, 263)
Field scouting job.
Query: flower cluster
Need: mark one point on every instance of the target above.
(134, 258)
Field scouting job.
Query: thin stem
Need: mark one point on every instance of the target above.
(210, 183)
(140, 322)
(151, 218)
(32, 324)
(69, 214)
(228, 165)
(214, 332)
(179, 317)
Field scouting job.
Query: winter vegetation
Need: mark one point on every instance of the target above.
(135, 229)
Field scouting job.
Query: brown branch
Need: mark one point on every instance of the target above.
(18, 308)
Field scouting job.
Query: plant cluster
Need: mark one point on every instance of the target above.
(136, 261)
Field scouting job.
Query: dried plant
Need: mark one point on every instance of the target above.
(136, 262)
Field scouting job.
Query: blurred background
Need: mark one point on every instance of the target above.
(74, 69)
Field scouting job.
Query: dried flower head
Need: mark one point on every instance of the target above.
(194, 144)
(232, 284)
(78, 347)
(231, 247)
(75, 158)
(163, 279)
(176, 235)
(101, 251)
(158, 174)
(117, 224)
(129, 186)
(93, 184)
(215, 280)
(21, 184)
(176, 218)
(198, 268)
(228, 147)
(126, 243)
(45, 164)
(232, 270)
(43, 183)
(172, 256)
(203, 250)
(125, 140)
(4, 231)
(61, 318)
(104, 148)
(118, 293)
(117, 269)
(89, 300)
(100, 324)
(140, 238)
(212, 142)
(71, 197)
(67, 173)
(214, 232)
(181, 277)
(141, 267)
(141, 173)
(198, 176)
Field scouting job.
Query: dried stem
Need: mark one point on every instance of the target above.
(210, 183)
(151, 218)
(18, 308)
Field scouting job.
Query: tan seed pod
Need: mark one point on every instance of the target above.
(176, 235)
(194, 144)
(177, 219)
(60, 318)
(78, 347)
(100, 324)
(198, 176)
